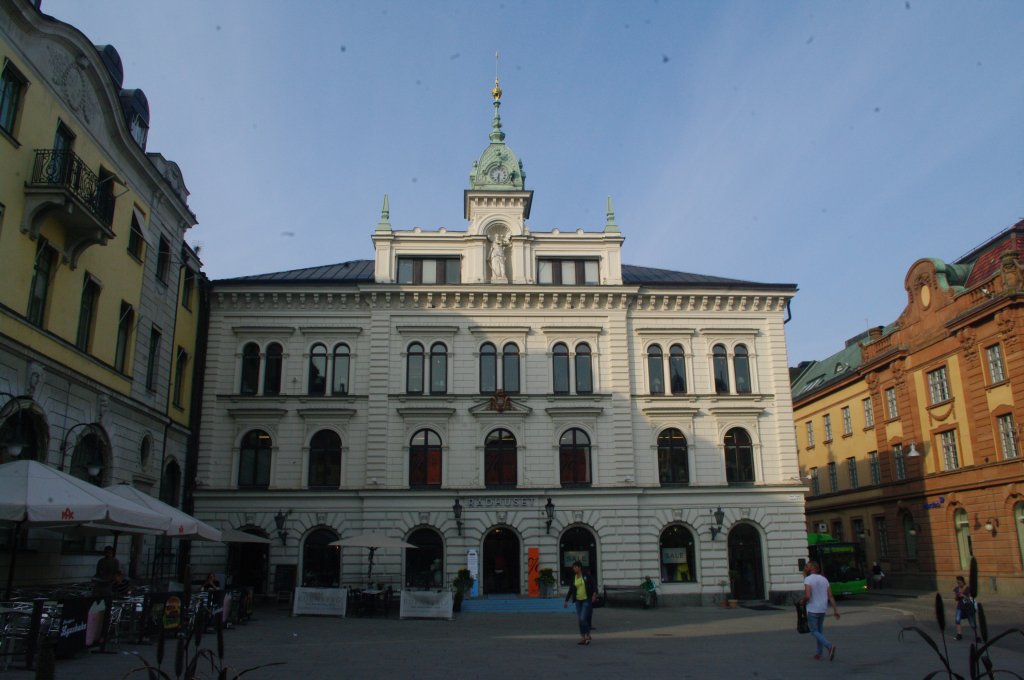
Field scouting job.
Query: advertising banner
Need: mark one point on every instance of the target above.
(426, 604)
(73, 621)
(473, 564)
(533, 571)
(320, 601)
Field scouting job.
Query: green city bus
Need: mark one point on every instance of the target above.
(841, 563)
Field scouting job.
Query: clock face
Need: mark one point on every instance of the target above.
(498, 174)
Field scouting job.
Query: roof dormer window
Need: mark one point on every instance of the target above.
(429, 270)
(565, 272)
(139, 129)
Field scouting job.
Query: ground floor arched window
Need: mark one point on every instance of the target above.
(321, 562)
(424, 566)
(678, 563)
(577, 543)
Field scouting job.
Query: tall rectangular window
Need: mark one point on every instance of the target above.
(42, 276)
(179, 377)
(938, 385)
(882, 536)
(124, 336)
(837, 529)
(810, 434)
(87, 314)
(12, 87)
(828, 427)
(163, 260)
(153, 364)
(876, 469)
(833, 478)
(815, 482)
(567, 272)
(847, 421)
(188, 286)
(429, 270)
(949, 454)
(1007, 436)
(869, 413)
(851, 469)
(899, 464)
(890, 403)
(996, 367)
(135, 238)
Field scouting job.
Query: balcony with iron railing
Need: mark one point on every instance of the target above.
(61, 187)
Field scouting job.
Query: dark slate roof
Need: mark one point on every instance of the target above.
(361, 271)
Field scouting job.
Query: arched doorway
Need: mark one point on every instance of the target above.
(500, 569)
(321, 562)
(24, 434)
(577, 543)
(248, 563)
(745, 563)
(424, 567)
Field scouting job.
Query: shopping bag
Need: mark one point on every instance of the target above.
(801, 619)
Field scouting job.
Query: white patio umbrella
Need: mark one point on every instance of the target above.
(236, 536)
(179, 524)
(36, 495)
(373, 542)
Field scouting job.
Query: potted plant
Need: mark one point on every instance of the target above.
(461, 585)
(724, 601)
(546, 581)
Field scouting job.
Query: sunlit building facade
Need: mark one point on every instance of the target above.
(909, 437)
(486, 391)
(100, 296)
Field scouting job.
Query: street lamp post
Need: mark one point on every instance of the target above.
(93, 469)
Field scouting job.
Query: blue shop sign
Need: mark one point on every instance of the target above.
(935, 504)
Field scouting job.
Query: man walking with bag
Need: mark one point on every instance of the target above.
(817, 597)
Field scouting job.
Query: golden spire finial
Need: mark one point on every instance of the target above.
(496, 92)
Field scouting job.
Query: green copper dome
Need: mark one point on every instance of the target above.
(498, 168)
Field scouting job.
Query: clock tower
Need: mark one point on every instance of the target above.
(497, 202)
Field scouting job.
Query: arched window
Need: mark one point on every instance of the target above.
(170, 485)
(500, 459)
(424, 567)
(656, 369)
(318, 370)
(560, 368)
(414, 369)
(438, 368)
(87, 460)
(339, 380)
(325, 460)
(584, 369)
(510, 368)
(673, 462)
(321, 562)
(574, 458)
(21, 433)
(254, 460)
(272, 373)
(1018, 521)
(741, 369)
(678, 563)
(739, 457)
(677, 369)
(965, 546)
(721, 369)
(910, 536)
(425, 459)
(488, 368)
(250, 368)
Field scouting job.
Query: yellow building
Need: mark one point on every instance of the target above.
(909, 437)
(99, 306)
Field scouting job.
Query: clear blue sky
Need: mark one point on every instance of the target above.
(826, 144)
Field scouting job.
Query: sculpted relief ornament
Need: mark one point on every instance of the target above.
(70, 80)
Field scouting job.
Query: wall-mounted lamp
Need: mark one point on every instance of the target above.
(992, 525)
(719, 518)
(549, 512)
(457, 511)
(279, 520)
(15, 444)
(913, 531)
(913, 452)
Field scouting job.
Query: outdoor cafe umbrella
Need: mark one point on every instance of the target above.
(179, 524)
(373, 542)
(36, 495)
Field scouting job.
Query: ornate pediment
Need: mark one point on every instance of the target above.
(500, 405)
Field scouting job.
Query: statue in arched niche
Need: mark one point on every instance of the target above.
(499, 242)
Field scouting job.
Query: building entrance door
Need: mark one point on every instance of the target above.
(745, 563)
(249, 563)
(500, 568)
(577, 543)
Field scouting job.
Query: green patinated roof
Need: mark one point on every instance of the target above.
(952, 276)
(820, 374)
(498, 168)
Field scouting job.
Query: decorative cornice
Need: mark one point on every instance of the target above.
(574, 411)
(425, 411)
(256, 411)
(425, 329)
